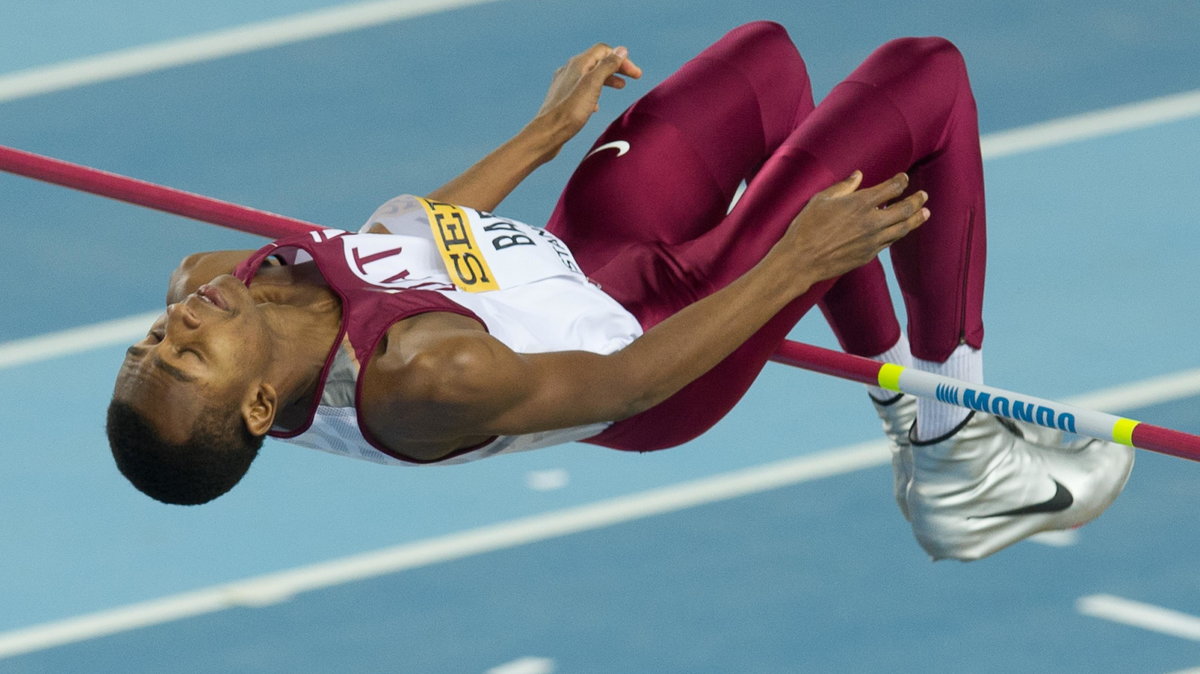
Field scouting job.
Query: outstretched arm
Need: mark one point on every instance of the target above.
(469, 384)
(574, 95)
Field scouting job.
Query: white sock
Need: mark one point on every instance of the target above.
(898, 354)
(935, 419)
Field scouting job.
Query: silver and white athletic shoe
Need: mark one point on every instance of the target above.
(897, 416)
(992, 482)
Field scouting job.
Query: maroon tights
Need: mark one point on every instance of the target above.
(650, 224)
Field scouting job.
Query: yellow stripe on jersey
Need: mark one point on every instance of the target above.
(464, 261)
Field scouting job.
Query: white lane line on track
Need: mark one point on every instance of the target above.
(526, 665)
(275, 587)
(216, 44)
(1144, 393)
(1139, 614)
(75, 340)
(1056, 539)
(1090, 125)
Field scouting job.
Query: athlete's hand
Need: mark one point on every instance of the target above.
(844, 227)
(575, 90)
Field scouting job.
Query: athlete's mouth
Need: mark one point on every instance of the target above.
(213, 296)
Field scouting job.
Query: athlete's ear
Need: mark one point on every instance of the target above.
(259, 408)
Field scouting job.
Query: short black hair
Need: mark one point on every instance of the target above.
(217, 454)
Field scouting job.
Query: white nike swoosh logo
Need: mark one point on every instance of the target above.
(619, 145)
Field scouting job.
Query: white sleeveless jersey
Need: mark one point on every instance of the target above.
(527, 290)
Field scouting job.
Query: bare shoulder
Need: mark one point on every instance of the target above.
(430, 357)
(427, 384)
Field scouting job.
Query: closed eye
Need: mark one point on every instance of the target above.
(193, 352)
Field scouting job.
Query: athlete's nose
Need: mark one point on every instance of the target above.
(181, 313)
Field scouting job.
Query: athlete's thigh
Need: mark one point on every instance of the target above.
(666, 170)
(646, 184)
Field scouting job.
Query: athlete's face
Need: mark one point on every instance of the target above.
(210, 348)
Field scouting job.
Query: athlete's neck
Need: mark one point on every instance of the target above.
(304, 319)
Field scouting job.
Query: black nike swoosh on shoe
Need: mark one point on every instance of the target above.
(1061, 500)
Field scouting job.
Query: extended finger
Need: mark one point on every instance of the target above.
(584, 61)
(885, 191)
(594, 53)
(630, 69)
(896, 231)
(902, 209)
(843, 186)
(608, 66)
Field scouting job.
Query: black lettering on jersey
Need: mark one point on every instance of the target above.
(502, 242)
(501, 226)
(469, 269)
(452, 229)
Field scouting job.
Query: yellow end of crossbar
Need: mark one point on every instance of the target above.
(889, 376)
(1123, 431)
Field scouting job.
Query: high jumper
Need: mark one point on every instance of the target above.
(639, 316)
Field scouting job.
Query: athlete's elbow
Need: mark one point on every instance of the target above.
(633, 390)
(640, 399)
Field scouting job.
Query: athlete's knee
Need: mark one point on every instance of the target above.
(937, 56)
(759, 30)
(926, 76)
(764, 56)
(765, 39)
